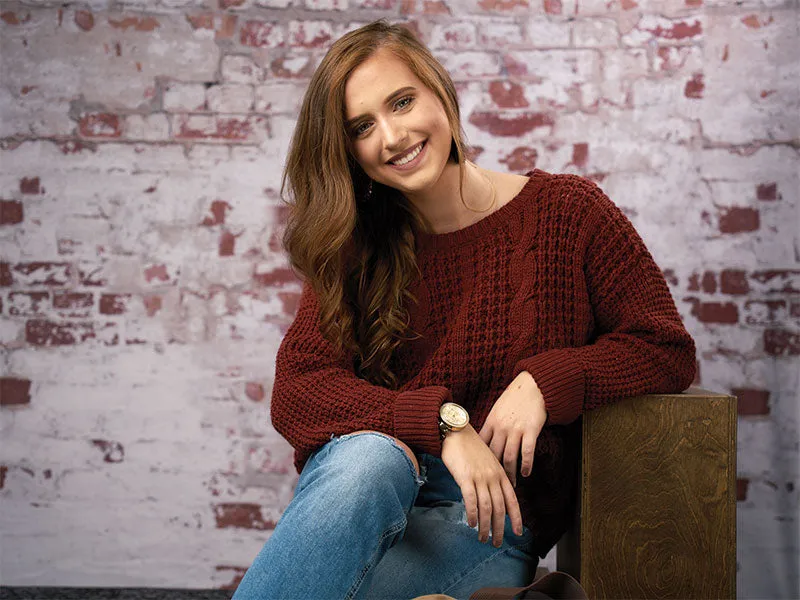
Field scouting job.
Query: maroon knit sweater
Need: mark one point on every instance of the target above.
(556, 282)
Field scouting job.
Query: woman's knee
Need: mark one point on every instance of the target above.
(409, 452)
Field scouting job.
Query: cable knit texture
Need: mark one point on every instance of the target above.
(555, 282)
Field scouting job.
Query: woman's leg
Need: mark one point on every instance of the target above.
(440, 553)
(349, 507)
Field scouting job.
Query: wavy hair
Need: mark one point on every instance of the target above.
(355, 248)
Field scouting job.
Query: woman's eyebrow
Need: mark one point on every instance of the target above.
(389, 99)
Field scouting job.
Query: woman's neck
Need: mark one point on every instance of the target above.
(442, 206)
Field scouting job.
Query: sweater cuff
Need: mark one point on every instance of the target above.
(416, 418)
(562, 382)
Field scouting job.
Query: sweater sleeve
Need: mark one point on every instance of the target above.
(639, 346)
(316, 394)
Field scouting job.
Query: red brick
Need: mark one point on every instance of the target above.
(751, 402)
(227, 243)
(781, 342)
(113, 452)
(500, 5)
(226, 128)
(580, 154)
(709, 283)
(77, 302)
(237, 573)
(10, 212)
(734, 282)
(114, 304)
(259, 34)
(75, 146)
(100, 125)
(741, 489)
(767, 191)
(227, 27)
(40, 332)
(291, 301)
(218, 209)
(135, 23)
(12, 18)
(43, 273)
(507, 94)
(788, 281)
(84, 19)
(512, 125)
(679, 31)
(5, 275)
(764, 312)
(156, 272)
(739, 220)
(241, 515)
(670, 276)
(695, 86)
(225, 4)
(91, 275)
(310, 34)
(254, 391)
(794, 310)
(296, 70)
(3, 471)
(714, 312)
(753, 22)
(521, 159)
(27, 304)
(152, 304)
(14, 392)
(201, 21)
(279, 277)
(30, 185)
(553, 7)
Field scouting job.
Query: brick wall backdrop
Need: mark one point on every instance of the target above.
(143, 292)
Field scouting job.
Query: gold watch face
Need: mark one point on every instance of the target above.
(454, 415)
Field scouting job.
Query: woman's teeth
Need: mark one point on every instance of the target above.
(408, 157)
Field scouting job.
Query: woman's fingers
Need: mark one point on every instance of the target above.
(510, 456)
(498, 513)
(470, 503)
(512, 507)
(484, 512)
(528, 450)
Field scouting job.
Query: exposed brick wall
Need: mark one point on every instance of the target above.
(143, 292)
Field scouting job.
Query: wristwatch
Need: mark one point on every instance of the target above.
(452, 417)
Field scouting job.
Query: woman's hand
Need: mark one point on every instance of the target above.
(488, 494)
(514, 424)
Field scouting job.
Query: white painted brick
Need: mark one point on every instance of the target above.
(279, 97)
(595, 33)
(240, 69)
(544, 33)
(151, 128)
(184, 97)
(230, 98)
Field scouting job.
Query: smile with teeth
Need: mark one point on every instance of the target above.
(408, 157)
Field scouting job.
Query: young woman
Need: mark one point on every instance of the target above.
(454, 324)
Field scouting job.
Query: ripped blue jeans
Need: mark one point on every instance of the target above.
(363, 524)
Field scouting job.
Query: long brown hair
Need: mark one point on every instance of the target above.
(354, 243)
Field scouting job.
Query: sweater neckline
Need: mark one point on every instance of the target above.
(479, 229)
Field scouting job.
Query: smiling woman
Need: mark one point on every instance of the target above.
(454, 324)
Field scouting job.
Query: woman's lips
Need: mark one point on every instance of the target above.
(413, 163)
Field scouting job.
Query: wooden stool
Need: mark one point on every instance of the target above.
(657, 501)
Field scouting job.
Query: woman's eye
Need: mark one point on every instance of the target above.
(404, 102)
(360, 129)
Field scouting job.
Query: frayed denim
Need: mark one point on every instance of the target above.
(363, 525)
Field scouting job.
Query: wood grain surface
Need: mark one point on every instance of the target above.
(658, 498)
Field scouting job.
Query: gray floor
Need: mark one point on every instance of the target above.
(66, 593)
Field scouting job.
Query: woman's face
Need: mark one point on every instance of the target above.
(398, 129)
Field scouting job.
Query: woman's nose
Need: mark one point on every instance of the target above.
(393, 134)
